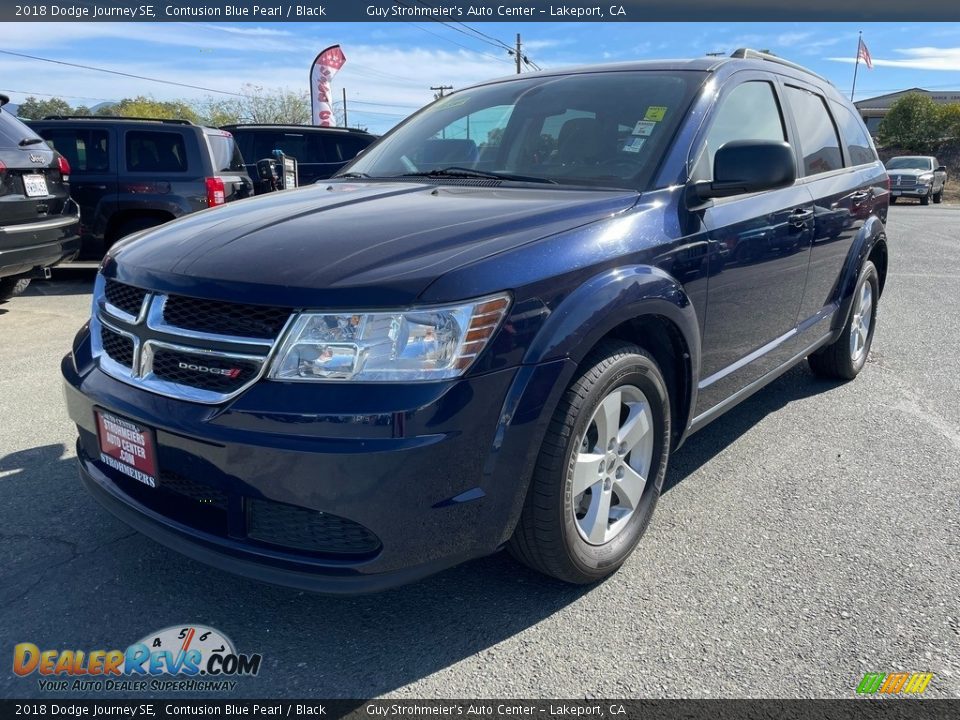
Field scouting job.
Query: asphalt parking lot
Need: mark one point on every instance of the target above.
(809, 536)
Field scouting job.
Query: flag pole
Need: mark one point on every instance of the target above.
(856, 65)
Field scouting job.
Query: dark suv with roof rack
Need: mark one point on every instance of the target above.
(39, 223)
(319, 151)
(130, 174)
(491, 329)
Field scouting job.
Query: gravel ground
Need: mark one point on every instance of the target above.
(808, 537)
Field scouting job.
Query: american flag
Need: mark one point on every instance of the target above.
(864, 54)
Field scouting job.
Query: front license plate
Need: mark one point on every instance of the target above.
(127, 447)
(35, 185)
(896, 193)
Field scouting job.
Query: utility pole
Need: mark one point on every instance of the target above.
(345, 108)
(517, 54)
(440, 88)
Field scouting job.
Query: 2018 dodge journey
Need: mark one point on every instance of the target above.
(491, 329)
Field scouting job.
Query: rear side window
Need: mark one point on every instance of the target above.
(12, 131)
(154, 151)
(296, 145)
(818, 136)
(749, 112)
(225, 152)
(86, 150)
(854, 135)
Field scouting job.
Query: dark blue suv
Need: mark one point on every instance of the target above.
(490, 330)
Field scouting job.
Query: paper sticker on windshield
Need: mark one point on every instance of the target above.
(449, 104)
(644, 127)
(634, 144)
(655, 113)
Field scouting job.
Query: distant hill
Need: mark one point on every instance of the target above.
(101, 106)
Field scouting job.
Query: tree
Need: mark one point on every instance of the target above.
(260, 105)
(912, 124)
(36, 109)
(949, 120)
(145, 107)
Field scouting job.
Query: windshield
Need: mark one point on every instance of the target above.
(606, 129)
(910, 163)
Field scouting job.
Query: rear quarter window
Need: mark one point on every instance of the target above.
(155, 151)
(855, 137)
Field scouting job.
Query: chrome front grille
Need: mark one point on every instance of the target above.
(188, 348)
(903, 181)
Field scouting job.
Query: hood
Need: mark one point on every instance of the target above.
(340, 244)
(909, 172)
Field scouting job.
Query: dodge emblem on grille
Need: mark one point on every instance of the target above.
(226, 372)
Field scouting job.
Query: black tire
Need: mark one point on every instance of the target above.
(893, 200)
(938, 197)
(925, 200)
(546, 538)
(12, 286)
(836, 361)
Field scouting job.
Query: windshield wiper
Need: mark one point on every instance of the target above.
(462, 172)
(30, 141)
(350, 175)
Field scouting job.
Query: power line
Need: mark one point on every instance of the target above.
(449, 40)
(57, 95)
(123, 74)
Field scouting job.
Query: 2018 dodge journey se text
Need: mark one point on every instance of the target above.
(491, 329)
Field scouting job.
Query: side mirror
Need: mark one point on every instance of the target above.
(942, 168)
(748, 166)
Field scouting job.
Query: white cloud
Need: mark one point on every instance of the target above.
(920, 58)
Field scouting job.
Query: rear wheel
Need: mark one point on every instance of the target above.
(12, 286)
(845, 357)
(600, 469)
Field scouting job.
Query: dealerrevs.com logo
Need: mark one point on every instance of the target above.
(177, 658)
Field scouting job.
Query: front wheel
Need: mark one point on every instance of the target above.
(845, 357)
(938, 196)
(600, 470)
(925, 200)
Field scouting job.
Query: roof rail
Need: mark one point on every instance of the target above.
(293, 125)
(167, 121)
(748, 54)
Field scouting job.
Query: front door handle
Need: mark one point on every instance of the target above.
(799, 217)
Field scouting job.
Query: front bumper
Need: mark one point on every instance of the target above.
(918, 191)
(436, 473)
(40, 244)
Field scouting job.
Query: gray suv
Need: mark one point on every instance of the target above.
(918, 176)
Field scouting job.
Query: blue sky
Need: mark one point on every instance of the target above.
(390, 66)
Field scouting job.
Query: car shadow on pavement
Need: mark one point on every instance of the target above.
(700, 448)
(69, 559)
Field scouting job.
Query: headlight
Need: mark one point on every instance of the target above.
(431, 343)
(928, 177)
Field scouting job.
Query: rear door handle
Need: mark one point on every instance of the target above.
(861, 196)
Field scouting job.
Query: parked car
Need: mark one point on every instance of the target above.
(130, 174)
(320, 151)
(919, 176)
(465, 342)
(39, 223)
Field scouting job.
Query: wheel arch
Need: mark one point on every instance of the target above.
(641, 304)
